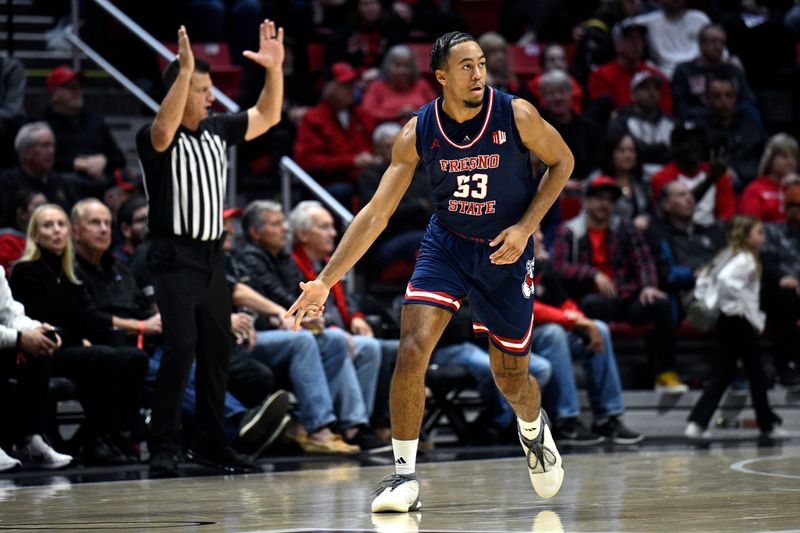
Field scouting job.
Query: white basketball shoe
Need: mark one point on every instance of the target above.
(36, 453)
(544, 461)
(398, 493)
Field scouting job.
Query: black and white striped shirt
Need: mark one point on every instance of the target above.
(186, 183)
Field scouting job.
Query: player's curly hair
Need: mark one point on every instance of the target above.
(441, 48)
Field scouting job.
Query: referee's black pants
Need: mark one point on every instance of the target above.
(195, 304)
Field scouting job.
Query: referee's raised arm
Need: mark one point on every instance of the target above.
(267, 111)
(171, 113)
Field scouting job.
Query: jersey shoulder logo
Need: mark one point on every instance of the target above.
(527, 285)
(499, 137)
(434, 144)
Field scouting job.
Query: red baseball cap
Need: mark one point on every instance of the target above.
(343, 72)
(603, 183)
(59, 76)
(232, 212)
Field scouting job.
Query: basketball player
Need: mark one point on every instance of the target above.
(474, 143)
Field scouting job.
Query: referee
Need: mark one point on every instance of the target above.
(183, 158)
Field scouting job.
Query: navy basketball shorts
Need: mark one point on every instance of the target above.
(451, 267)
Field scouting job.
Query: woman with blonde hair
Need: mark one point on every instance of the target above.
(763, 197)
(110, 380)
(736, 274)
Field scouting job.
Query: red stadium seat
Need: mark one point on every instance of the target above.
(525, 60)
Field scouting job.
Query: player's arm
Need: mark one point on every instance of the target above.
(546, 143)
(170, 113)
(366, 226)
(267, 111)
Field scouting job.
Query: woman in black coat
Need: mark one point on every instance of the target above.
(110, 380)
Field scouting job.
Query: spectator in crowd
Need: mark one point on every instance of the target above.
(400, 91)
(132, 221)
(364, 39)
(110, 380)
(679, 245)
(781, 288)
(397, 247)
(314, 239)
(84, 143)
(611, 81)
(736, 271)
(644, 120)
(275, 275)
(35, 146)
(554, 57)
(763, 197)
(231, 21)
(12, 112)
(582, 135)
(12, 236)
(690, 78)
(729, 129)
(563, 332)
(709, 181)
(333, 141)
(621, 162)
(294, 353)
(498, 65)
(672, 33)
(26, 351)
(607, 267)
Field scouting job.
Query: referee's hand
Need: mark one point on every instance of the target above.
(311, 302)
(185, 55)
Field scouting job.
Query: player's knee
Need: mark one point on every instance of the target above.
(512, 386)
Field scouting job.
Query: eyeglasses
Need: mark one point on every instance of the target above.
(44, 144)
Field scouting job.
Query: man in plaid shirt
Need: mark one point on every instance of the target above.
(606, 265)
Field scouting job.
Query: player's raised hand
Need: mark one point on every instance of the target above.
(270, 46)
(513, 240)
(185, 54)
(311, 302)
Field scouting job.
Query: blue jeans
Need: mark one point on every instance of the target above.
(553, 342)
(297, 352)
(343, 379)
(233, 408)
(476, 361)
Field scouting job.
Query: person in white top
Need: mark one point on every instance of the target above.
(26, 347)
(672, 33)
(738, 327)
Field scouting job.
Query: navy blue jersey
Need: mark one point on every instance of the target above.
(482, 183)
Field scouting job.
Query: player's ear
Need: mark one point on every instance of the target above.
(441, 77)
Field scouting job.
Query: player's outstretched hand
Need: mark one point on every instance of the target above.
(185, 54)
(513, 240)
(270, 46)
(311, 302)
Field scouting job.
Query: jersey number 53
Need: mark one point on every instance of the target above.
(473, 186)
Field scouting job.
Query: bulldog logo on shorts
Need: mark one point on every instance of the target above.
(527, 286)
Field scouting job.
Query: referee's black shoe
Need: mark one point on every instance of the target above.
(226, 460)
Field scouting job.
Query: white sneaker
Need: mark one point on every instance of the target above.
(397, 493)
(35, 452)
(696, 431)
(544, 461)
(7, 462)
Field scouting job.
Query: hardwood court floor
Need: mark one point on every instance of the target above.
(674, 490)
